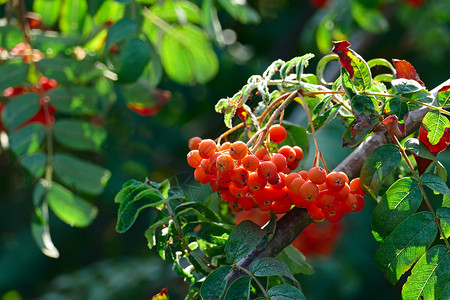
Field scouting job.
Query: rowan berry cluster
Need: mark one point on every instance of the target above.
(265, 179)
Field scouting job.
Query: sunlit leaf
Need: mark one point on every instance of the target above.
(435, 183)
(443, 97)
(295, 260)
(27, 140)
(285, 292)
(19, 110)
(48, 10)
(241, 11)
(370, 19)
(35, 164)
(73, 15)
(79, 135)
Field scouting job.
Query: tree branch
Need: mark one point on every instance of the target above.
(297, 219)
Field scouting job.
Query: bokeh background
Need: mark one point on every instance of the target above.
(98, 263)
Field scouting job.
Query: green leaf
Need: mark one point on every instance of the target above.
(446, 292)
(48, 10)
(368, 18)
(106, 11)
(435, 124)
(240, 11)
(405, 245)
(161, 220)
(119, 31)
(73, 15)
(243, 239)
(443, 97)
(69, 70)
(443, 214)
(325, 118)
(441, 171)
(298, 64)
(39, 224)
(295, 260)
(364, 104)
(197, 206)
(70, 208)
(429, 276)
(35, 164)
(177, 11)
(13, 74)
(414, 146)
(27, 140)
(135, 57)
(239, 289)
(76, 100)
(214, 233)
(269, 266)
(435, 183)
(347, 84)
(187, 56)
(19, 110)
(380, 163)
(80, 175)
(285, 292)
(358, 129)
(130, 209)
(422, 96)
(396, 106)
(405, 86)
(79, 135)
(215, 283)
(400, 201)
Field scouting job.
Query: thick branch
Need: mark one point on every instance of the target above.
(297, 219)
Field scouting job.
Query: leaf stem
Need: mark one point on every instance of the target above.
(253, 277)
(425, 197)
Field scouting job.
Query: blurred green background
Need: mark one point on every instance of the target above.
(98, 263)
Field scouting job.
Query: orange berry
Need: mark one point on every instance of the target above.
(334, 213)
(207, 166)
(281, 206)
(225, 146)
(250, 162)
(201, 176)
(226, 196)
(246, 202)
(261, 153)
(239, 176)
(342, 194)
(325, 199)
(280, 161)
(317, 175)
(296, 184)
(238, 150)
(289, 178)
(350, 204)
(315, 212)
(293, 165)
(267, 170)
(224, 163)
(345, 177)
(288, 152)
(361, 202)
(238, 191)
(234, 206)
(194, 159)
(281, 182)
(309, 191)
(277, 133)
(214, 186)
(255, 182)
(335, 181)
(355, 187)
(298, 153)
(194, 142)
(207, 148)
(304, 174)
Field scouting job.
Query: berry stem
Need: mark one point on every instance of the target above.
(425, 197)
(313, 131)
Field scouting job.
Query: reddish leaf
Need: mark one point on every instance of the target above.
(362, 121)
(163, 295)
(393, 127)
(341, 48)
(40, 117)
(2, 106)
(440, 146)
(422, 164)
(160, 97)
(405, 70)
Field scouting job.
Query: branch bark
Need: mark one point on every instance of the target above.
(297, 219)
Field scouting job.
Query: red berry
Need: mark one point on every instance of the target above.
(194, 159)
(325, 199)
(277, 133)
(288, 152)
(255, 182)
(309, 191)
(224, 163)
(207, 148)
(317, 175)
(334, 213)
(280, 161)
(246, 202)
(194, 142)
(355, 187)
(335, 181)
(238, 150)
(250, 162)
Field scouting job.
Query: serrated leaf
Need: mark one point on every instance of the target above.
(187, 56)
(269, 266)
(435, 124)
(214, 285)
(429, 276)
(79, 174)
(35, 164)
(414, 146)
(48, 10)
(405, 245)
(295, 260)
(405, 86)
(12, 74)
(70, 208)
(443, 213)
(380, 163)
(443, 97)
(400, 201)
(27, 140)
(239, 289)
(129, 210)
(396, 106)
(285, 292)
(215, 233)
(364, 104)
(135, 56)
(19, 110)
(79, 135)
(244, 238)
(435, 183)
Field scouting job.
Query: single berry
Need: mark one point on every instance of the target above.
(207, 166)
(298, 153)
(267, 170)
(214, 186)
(309, 191)
(355, 187)
(325, 199)
(280, 161)
(277, 133)
(350, 204)
(238, 150)
(194, 159)
(207, 148)
(255, 182)
(281, 182)
(225, 146)
(238, 191)
(296, 184)
(289, 178)
(304, 174)
(288, 152)
(317, 175)
(261, 153)
(226, 196)
(224, 163)
(246, 202)
(342, 194)
(250, 163)
(335, 181)
(361, 202)
(315, 212)
(239, 176)
(334, 213)
(201, 176)
(194, 142)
